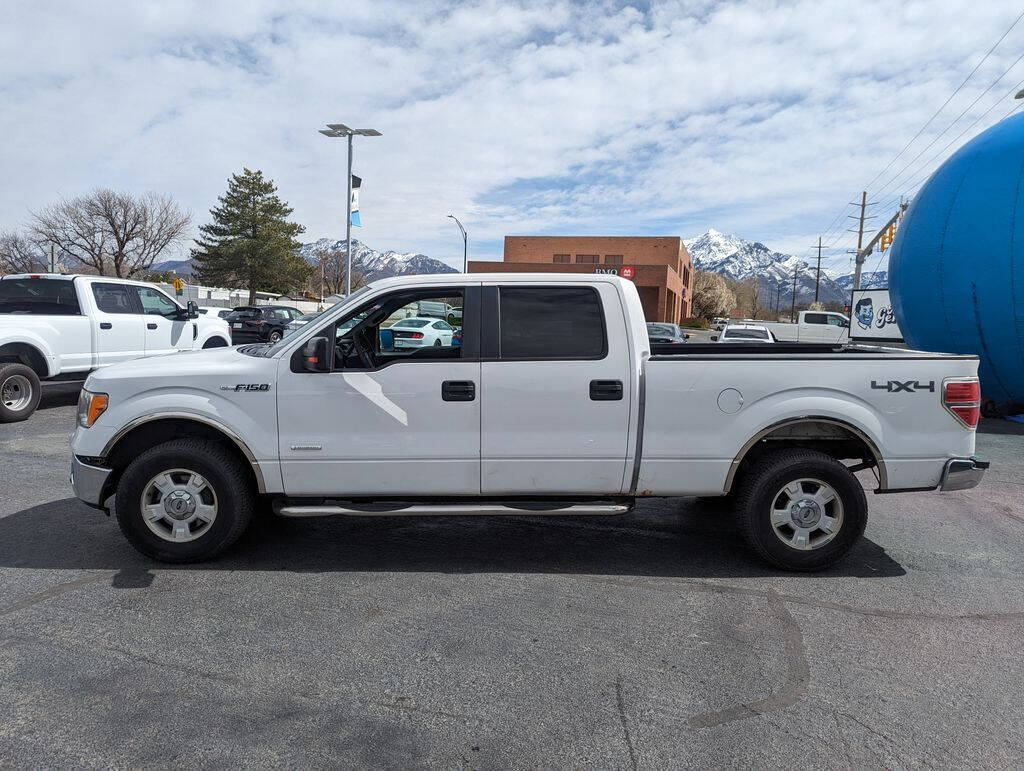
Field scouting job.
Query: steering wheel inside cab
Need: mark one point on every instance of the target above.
(357, 349)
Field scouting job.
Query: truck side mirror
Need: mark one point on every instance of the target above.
(192, 309)
(315, 355)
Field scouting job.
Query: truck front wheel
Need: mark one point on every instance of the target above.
(800, 509)
(184, 501)
(19, 392)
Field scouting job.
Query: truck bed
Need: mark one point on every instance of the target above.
(670, 351)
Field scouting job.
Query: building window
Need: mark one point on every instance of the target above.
(613, 259)
(562, 258)
(587, 259)
(686, 277)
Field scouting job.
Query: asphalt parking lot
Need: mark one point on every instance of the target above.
(654, 640)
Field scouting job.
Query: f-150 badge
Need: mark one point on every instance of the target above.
(247, 387)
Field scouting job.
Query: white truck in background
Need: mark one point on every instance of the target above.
(554, 402)
(64, 327)
(812, 327)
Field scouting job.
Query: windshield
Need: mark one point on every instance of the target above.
(46, 296)
(747, 334)
(412, 323)
(661, 329)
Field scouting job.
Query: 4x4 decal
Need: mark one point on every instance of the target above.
(909, 386)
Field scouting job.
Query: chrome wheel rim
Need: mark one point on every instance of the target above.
(178, 505)
(16, 392)
(806, 514)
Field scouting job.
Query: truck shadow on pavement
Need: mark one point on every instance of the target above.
(673, 538)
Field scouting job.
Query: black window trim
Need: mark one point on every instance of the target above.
(490, 349)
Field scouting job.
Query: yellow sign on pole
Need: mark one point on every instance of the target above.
(178, 285)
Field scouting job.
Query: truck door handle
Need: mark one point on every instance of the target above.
(458, 391)
(151, 325)
(106, 325)
(606, 390)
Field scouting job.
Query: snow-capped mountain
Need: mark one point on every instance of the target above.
(739, 259)
(369, 262)
(374, 264)
(878, 279)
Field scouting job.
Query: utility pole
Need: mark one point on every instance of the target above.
(860, 240)
(817, 280)
(792, 311)
(465, 244)
(53, 260)
(778, 295)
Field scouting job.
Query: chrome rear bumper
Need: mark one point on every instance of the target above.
(962, 474)
(88, 482)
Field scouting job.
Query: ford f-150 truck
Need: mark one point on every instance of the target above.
(553, 403)
(54, 326)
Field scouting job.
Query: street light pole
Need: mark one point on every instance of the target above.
(341, 130)
(465, 244)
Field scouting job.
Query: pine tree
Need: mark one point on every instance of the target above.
(250, 243)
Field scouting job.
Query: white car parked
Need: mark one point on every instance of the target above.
(745, 333)
(213, 311)
(420, 332)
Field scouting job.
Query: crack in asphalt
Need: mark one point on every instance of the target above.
(620, 704)
(768, 594)
(55, 591)
(798, 675)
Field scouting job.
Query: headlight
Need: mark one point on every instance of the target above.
(90, 407)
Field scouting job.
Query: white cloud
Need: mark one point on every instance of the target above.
(760, 118)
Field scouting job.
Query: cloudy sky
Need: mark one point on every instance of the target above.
(754, 117)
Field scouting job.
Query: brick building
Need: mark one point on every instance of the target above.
(659, 266)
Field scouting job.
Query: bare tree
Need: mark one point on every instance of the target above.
(333, 268)
(20, 254)
(112, 233)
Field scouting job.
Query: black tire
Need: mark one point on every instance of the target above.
(275, 336)
(757, 496)
(437, 343)
(223, 472)
(215, 342)
(14, 380)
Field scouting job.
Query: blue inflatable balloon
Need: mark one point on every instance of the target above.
(956, 271)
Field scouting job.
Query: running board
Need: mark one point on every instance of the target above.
(454, 509)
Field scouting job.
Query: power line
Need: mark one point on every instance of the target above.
(951, 124)
(955, 92)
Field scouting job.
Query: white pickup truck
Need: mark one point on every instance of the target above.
(63, 327)
(551, 402)
(812, 327)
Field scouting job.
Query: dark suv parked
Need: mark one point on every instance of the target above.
(263, 323)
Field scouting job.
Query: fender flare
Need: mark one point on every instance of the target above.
(883, 477)
(196, 417)
(32, 340)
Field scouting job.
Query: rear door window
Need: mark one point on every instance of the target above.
(113, 298)
(815, 318)
(551, 322)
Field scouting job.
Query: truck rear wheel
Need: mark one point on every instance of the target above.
(800, 509)
(184, 501)
(19, 392)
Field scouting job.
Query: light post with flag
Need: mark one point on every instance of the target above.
(341, 130)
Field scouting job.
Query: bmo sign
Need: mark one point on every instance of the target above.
(625, 271)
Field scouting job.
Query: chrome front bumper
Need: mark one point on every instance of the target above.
(88, 482)
(962, 474)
